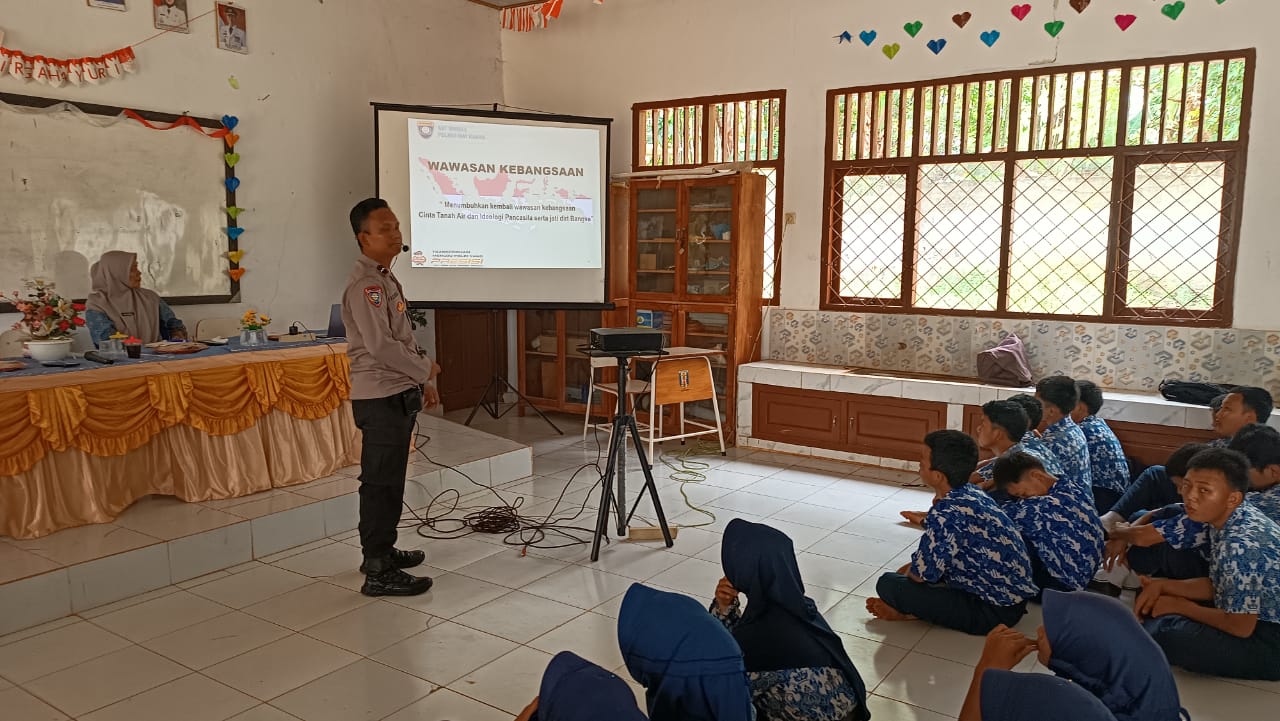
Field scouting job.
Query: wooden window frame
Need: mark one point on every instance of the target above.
(707, 142)
(895, 156)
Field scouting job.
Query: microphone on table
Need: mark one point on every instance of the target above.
(97, 357)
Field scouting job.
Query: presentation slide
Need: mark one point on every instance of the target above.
(498, 209)
(496, 195)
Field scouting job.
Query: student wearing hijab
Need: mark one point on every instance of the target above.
(574, 689)
(689, 665)
(796, 664)
(119, 304)
(1089, 640)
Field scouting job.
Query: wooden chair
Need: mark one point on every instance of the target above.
(634, 388)
(677, 381)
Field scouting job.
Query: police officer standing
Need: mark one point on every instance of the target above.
(391, 381)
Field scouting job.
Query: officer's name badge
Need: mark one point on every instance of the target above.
(374, 294)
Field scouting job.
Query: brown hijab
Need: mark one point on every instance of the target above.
(132, 310)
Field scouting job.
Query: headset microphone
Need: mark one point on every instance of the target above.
(404, 249)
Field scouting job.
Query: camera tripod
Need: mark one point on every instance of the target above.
(624, 427)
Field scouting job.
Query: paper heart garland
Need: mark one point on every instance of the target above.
(234, 212)
(1126, 21)
(936, 45)
(232, 159)
(231, 139)
(962, 19)
(867, 37)
(990, 37)
(1020, 11)
(913, 29)
(235, 256)
(230, 122)
(1054, 28)
(1173, 10)
(232, 184)
(235, 233)
(891, 51)
(1080, 5)
(236, 273)
(845, 37)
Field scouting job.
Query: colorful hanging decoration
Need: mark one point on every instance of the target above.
(232, 158)
(535, 16)
(57, 72)
(179, 123)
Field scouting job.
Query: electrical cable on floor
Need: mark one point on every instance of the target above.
(503, 518)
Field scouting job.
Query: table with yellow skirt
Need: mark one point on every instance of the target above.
(79, 447)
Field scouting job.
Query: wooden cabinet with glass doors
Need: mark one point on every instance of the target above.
(696, 257)
(554, 376)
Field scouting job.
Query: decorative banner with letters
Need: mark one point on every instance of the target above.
(534, 16)
(56, 72)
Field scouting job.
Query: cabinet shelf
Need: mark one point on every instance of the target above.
(655, 210)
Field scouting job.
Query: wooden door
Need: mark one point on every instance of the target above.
(799, 417)
(472, 345)
(892, 427)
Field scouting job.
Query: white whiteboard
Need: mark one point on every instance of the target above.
(73, 186)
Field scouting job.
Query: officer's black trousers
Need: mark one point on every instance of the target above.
(387, 431)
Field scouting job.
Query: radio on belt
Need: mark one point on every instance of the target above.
(626, 340)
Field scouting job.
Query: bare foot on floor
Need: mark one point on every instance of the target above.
(915, 518)
(885, 612)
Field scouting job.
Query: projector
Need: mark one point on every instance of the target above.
(625, 340)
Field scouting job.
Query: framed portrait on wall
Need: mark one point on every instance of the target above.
(233, 29)
(108, 4)
(172, 15)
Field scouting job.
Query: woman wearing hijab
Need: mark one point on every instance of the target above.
(119, 304)
(1107, 668)
(690, 667)
(796, 664)
(574, 689)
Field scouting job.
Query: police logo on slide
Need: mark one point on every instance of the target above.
(374, 294)
(426, 128)
(419, 259)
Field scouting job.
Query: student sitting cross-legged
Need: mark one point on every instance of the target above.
(1261, 445)
(1108, 468)
(574, 689)
(1106, 668)
(797, 665)
(971, 571)
(1155, 488)
(689, 665)
(1239, 635)
(1063, 534)
(1064, 438)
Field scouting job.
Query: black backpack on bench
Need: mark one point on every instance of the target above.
(1197, 394)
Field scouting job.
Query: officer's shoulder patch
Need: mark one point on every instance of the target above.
(373, 294)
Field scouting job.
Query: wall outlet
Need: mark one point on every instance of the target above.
(788, 218)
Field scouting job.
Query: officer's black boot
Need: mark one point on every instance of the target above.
(384, 578)
(400, 559)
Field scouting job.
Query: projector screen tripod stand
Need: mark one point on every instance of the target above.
(491, 399)
(624, 427)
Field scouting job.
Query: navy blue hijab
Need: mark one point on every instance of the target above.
(574, 689)
(1096, 642)
(1010, 696)
(688, 663)
(781, 627)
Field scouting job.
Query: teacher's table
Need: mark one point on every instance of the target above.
(80, 445)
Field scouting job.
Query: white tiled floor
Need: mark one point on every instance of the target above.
(289, 638)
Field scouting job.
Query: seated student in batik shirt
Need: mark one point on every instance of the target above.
(1261, 445)
(1059, 396)
(796, 664)
(1032, 442)
(971, 571)
(1155, 488)
(1108, 468)
(1241, 407)
(1239, 635)
(1063, 534)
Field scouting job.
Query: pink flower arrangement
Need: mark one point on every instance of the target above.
(45, 314)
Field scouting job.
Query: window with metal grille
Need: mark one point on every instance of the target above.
(1106, 191)
(690, 132)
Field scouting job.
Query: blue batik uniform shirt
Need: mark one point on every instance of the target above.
(1245, 565)
(1107, 465)
(1067, 443)
(970, 544)
(1032, 446)
(1180, 531)
(1063, 529)
(1267, 501)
